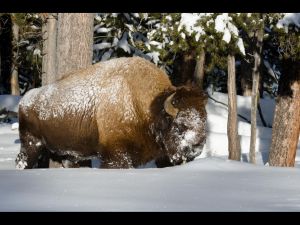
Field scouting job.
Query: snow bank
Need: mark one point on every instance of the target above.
(203, 185)
(289, 19)
(10, 102)
(244, 107)
(9, 146)
(217, 141)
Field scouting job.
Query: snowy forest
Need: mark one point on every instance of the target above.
(247, 65)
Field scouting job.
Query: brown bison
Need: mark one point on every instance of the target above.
(124, 112)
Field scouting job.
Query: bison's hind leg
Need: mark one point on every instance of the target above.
(33, 154)
(67, 161)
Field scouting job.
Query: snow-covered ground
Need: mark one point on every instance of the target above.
(209, 183)
(203, 185)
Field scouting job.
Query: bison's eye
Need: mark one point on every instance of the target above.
(175, 102)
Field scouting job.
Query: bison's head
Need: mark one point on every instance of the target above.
(184, 126)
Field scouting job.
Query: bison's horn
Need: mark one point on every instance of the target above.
(169, 108)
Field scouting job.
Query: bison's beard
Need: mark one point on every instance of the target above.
(186, 137)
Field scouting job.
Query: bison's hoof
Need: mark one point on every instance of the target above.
(21, 161)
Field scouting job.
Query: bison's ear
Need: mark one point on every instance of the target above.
(168, 106)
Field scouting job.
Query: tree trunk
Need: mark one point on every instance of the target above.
(184, 68)
(246, 79)
(199, 70)
(6, 53)
(255, 94)
(74, 42)
(234, 147)
(286, 123)
(49, 49)
(1, 87)
(1, 82)
(14, 80)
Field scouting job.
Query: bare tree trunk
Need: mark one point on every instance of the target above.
(234, 147)
(286, 123)
(1, 87)
(184, 68)
(49, 49)
(14, 79)
(6, 53)
(255, 94)
(74, 42)
(199, 70)
(246, 79)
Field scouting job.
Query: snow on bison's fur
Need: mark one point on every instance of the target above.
(124, 112)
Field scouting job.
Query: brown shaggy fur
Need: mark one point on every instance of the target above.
(112, 110)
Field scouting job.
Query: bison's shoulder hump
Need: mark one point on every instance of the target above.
(126, 62)
(29, 98)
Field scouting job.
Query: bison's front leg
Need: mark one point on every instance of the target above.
(163, 162)
(33, 154)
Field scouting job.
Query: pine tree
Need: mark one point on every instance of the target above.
(49, 48)
(25, 45)
(74, 42)
(286, 124)
(251, 26)
(230, 44)
(14, 80)
(126, 34)
(5, 52)
(234, 146)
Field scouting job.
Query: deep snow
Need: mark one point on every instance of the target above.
(203, 185)
(209, 183)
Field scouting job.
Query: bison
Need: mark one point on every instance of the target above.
(124, 111)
